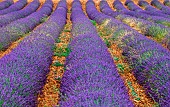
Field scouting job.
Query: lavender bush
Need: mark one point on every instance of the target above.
(7, 18)
(18, 28)
(147, 57)
(151, 9)
(132, 6)
(5, 4)
(160, 18)
(141, 15)
(167, 3)
(91, 78)
(23, 71)
(157, 31)
(160, 6)
(148, 9)
(15, 7)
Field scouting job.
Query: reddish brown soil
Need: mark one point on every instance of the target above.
(50, 93)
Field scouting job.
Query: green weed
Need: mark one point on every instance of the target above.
(62, 52)
(67, 30)
(93, 22)
(57, 64)
(121, 67)
(1, 102)
(44, 19)
(107, 43)
(116, 58)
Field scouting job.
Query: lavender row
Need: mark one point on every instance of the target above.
(7, 18)
(157, 31)
(160, 6)
(15, 7)
(5, 4)
(23, 71)
(167, 3)
(150, 62)
(120, 8)
(18, 28)
(160, 19)
(149, 10)
(91, 78)
(133, 7)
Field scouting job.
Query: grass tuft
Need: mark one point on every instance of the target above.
(60, 52)
(93, 22)
(57, 64)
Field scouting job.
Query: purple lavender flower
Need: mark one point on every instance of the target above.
(157, 31)
(8, 18)
(119, 6)
(15, 7)
(18, 28)
(151, 9)
(154, 16)
(23, 71)
(5, 4)
(167, 3)
(160, 6)
(147, 57)
(91, 78)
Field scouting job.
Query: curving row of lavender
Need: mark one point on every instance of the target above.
(133, 7)
(136, 8)
(160, 20)
(8, 18)
(150, 61)
(23, 71)
(14, 7)
(167, 3)
(160, 6)
(157, 31)
(18, 28)
(117, 5)
(5, 4)
(91, 78)
(157, 19)
(151, 9)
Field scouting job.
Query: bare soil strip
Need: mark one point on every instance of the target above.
(50, 93)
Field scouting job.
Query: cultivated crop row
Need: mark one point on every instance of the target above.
(18, 28)
(23, 71)
(7, 18)
(14, 7)
(167, 3)
(150, 60)
(104, 58)
(157, 31)
(91, 78)
(6, 4)
(160, 6)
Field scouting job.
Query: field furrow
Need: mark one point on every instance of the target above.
(19, 28)
(84, 53)
(143, 54)
(136, 92)
(50, 93)
(23, 71)
(14, 7)
(158, 32)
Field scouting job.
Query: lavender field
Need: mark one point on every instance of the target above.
(84, 53)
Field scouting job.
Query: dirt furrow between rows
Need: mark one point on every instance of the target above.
(49, 96)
